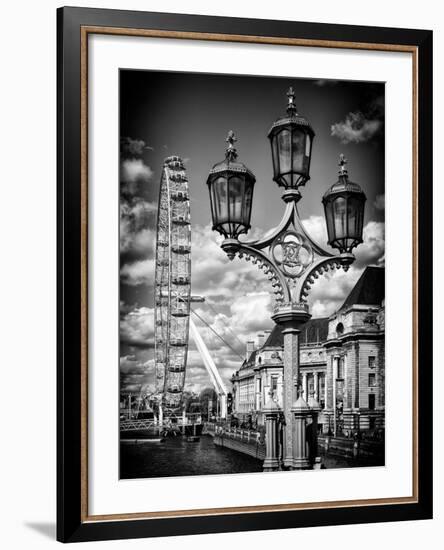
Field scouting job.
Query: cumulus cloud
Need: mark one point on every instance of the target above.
(137, 327)
(140, 272)
(137, 236)
(134, 172)
(329, 291)
(362, 125)
(132, 147)
(356, 128)
(215, 276)
(372, 250)
(316, 227)
(129, 364)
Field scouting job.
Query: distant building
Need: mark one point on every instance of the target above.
(341, 363)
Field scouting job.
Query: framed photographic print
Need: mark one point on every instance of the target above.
(244, 285)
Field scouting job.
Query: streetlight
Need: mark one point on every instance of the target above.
(291, 140)
(287, 255)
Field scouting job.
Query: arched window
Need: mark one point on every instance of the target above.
(339, 329)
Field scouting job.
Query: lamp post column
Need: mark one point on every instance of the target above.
(291, 316)
(335, 375)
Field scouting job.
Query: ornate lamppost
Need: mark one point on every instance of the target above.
(287, 255)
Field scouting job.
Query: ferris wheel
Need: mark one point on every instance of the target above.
(172, 283)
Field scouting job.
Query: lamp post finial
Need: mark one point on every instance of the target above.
(342, 165)
(291, 107)
(231, 152)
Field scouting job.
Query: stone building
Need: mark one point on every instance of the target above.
(341, 363)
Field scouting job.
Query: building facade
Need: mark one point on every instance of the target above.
(342, 364)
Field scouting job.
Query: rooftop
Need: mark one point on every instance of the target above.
(313, 332)
(369, 290)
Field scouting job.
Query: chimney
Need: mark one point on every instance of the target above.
(260, 340)
(250, 349)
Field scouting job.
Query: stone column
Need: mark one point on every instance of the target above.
(291, 374)
(290, 317)
(300, 412)
(258, 392)
(271, 413)
(335, 375)
(305, 386)
(316, 386)
(325, 390)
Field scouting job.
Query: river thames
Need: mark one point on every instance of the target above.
(175, 456)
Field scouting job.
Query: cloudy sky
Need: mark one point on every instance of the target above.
(189, 115)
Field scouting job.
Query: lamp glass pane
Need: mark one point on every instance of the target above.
(247, 202)
(220, 200)
(284, 141)
(275, 154)
(298, 151)
(307, 145)
(340, 217)
(235, 198)
(352, 216)
(328, 207)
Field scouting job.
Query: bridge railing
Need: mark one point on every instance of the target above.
(126, 425)
(240, 434)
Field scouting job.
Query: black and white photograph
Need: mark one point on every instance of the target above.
(252, 254)
(221, 275)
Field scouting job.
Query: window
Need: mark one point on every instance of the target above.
(311, 386)
(321, 397)
(371, 401)
(340, 373)
(339, 329)
(372, 379)
(371, 361)
(274, 383)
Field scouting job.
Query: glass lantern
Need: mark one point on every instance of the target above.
(344, 212)
(231, 185)
(291, 140)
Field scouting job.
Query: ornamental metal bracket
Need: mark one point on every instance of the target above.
(289, 257)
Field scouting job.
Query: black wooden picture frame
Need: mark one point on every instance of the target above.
(73, 522)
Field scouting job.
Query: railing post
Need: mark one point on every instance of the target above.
(300, 413)
(312, 433)
(271, 413)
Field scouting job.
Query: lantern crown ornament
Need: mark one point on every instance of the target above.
(231, 185)
(291, 139)
(344, 211)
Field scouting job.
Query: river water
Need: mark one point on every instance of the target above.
(177, 457)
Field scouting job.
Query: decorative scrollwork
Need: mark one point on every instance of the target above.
(258, 258)
(319, 268)
(292, 252)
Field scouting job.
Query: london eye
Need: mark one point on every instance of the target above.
(172, 284)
